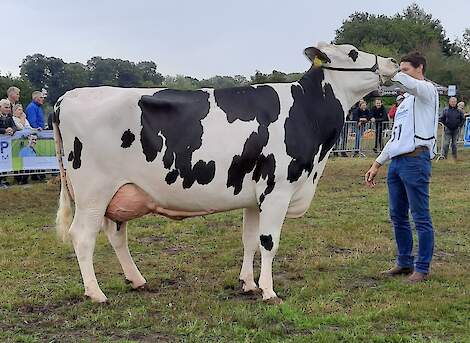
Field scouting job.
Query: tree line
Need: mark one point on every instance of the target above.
(390, 36)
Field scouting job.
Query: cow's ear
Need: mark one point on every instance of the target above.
(316, 56)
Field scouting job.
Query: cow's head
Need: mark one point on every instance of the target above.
(356, 71)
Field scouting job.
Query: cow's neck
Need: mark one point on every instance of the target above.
(348, 93)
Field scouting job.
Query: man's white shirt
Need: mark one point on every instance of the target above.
(416, 119)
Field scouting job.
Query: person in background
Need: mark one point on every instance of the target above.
(19, 117)
(393, 109)
(7, 124)
(7, 127)
(378, 116)
(13, 95)
(453, 120)
(361, 116)
(34, 111)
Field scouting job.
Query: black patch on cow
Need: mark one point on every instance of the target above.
(176, 115)
(266, 242)
(118, 226)
(56, 113)
(247, 104)
(353, 54)
(171, 176)
(265, 167)
(127, 139)
(76, 154)
(315, 177)
(315, 118)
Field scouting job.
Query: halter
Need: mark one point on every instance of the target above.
(374, 69)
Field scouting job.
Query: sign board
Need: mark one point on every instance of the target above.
(451, 90)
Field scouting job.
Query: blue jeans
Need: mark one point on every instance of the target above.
(359, 132)
(408, 189)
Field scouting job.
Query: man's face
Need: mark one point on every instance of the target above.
(453, 102)
(5, 109)
(15, 96)
(363, 106)
(407, 68)
(378, 103)
(40, 100)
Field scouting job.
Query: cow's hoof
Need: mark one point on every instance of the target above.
(140, 286)
(273, 301)
(99, 300)
(253, 292)
(250, 288)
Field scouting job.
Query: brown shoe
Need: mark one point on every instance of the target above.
(417, 277)
(397, 270)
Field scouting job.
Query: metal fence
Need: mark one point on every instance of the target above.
(360, 139)
(369, 138)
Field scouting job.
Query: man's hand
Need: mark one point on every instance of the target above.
(371, 173)
(9, 131)
(372, 120)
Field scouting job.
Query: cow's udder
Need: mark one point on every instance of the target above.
(131, 201)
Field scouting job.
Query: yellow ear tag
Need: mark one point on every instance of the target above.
(317, 62)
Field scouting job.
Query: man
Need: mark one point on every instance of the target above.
(361, 115)
(13, 94)
(7, 127)
(453, 119)
(7, 124)
(34, 112)
(378, 116)
(411, 148)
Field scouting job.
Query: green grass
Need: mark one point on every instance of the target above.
(326, 270)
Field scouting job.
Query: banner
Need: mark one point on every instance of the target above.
(466, 135)
(27, 150)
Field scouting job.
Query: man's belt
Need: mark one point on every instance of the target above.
(416, 151)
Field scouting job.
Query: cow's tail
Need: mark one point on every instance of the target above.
(64, 212)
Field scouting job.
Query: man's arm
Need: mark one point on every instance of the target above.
(31, 115)
(443, 117)
(416, 87)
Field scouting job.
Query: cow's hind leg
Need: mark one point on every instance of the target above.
(117, 236)
(84, 229)
(272, 216)
(250, 245)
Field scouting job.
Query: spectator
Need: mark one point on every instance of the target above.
(7, 124)
(453, 120)
(19, 118)
(13, 94)
(393, 109)
(378, 116)
(34, 111)
(7, 127)
(361, 115)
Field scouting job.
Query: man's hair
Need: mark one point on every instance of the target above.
(5, 102)
(36, 94)
(12, 89)
(415, 59)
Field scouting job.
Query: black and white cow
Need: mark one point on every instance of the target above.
(185, 153)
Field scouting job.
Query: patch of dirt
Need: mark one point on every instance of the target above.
(339, 250)
(151, 239)
(362, 282)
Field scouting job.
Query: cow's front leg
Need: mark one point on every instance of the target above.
(84, 229)
(117, 236)
(250, 245)
(272, 216)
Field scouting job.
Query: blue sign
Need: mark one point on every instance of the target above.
(466, 136)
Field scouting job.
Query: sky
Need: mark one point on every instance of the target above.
(199, 38)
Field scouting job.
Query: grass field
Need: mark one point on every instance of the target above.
(327, 270)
